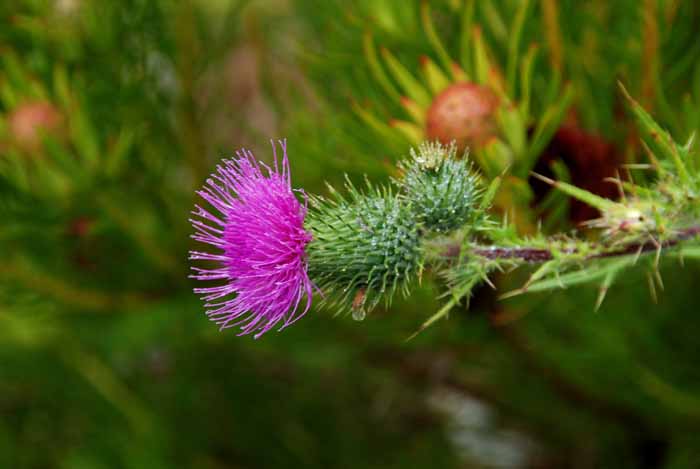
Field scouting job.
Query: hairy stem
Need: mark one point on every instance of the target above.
(534, 255)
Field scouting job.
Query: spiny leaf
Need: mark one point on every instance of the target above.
(583, 195)
(543, 270)
(456, 296)
(584, 275)
(662, 139)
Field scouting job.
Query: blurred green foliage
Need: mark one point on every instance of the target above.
(112, 112)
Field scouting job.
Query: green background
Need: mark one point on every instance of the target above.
(106, 357)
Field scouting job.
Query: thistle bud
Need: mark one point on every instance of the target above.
(441, 189)
(364, 248)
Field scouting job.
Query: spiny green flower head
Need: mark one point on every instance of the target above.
(441, 189)
(365, 247)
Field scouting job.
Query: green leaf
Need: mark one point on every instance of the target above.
(482, 66)
(526, 68)
(465, 35)
(495, 157)
(376, 69)
(513, 128)
(84, 136)
(586, 275)
(456, 295)
(411, 86)
(116, 157)
(412, 108)
(433, 37)
(490, 194)
(660, 139)
(373, 122)
(436, 79)
(412, 132)
(549, 123)
(583, 195)
(514, 45)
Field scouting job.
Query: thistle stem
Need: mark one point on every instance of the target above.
(532, 255)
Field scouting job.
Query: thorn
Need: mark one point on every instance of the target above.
(489, 282)
(641, 166)
(632, 186)
(657, 259)
(624, 90)
(652, 158)
(536, 275)
(652, 289)
(561, 284)
(604, 287)
(602, 293)
(637, 254)
(549, 181)
(413, 336)
(618, 182)
(512, 293)
(631, 179)
(659, 280)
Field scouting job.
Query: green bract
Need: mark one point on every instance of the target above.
(441, 190)
(365, 247)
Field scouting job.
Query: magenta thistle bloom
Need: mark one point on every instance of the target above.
(260, 238)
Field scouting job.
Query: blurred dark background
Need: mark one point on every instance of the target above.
(112, 112)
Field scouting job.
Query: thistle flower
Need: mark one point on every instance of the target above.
(260, 237)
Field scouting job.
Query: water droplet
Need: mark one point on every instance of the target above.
(358, 314)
